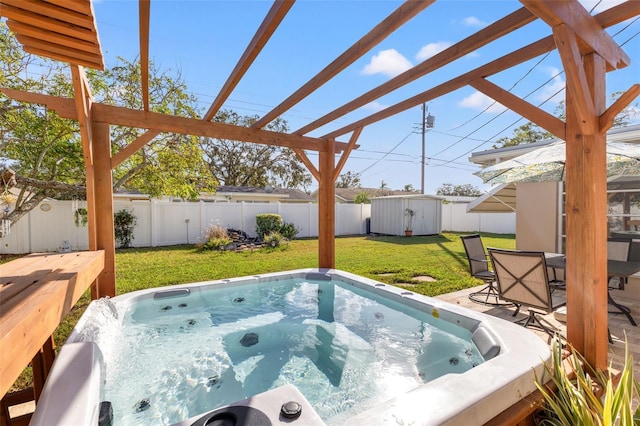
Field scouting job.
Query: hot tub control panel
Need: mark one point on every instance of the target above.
(281, 406)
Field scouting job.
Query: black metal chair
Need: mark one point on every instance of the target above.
(479, 268)
(522, 279)
(618, 249)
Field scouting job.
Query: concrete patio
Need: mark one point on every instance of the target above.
(618, 324)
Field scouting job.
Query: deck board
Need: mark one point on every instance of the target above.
(36, 292)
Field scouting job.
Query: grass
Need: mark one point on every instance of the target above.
(392, 260)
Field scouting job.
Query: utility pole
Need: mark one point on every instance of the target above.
(428, 121)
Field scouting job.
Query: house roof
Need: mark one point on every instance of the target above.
(349, 195)
(629, 134)
(288, 193)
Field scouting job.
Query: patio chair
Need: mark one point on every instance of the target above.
(479, 268)
(522, 279)
(618, 249)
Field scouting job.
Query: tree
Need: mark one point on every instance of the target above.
(409, 188)
(466, 190)
(348, 180)
(383, 185)
(529, 132)
(362, 198)
(248, 164)
(46, 151)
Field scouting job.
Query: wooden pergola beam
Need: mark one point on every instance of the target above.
(574, 16)
(346, 153)
(607, 18)
(47, 8)
(307, 162)
(271, 22)
(486, 35)
(144, 14)
(606, 119)
(404, 13)
(122, 116)
(531, 112)
(577, 83)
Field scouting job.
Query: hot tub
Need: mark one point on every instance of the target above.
(341, 348)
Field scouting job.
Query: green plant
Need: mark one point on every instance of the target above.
(268, 223)
(362, 198)
(217, 243)
(124, 221)
(80, 217)
(411, 213)
(575, 401)
(216, 237)
(289, 231)
(274, 239)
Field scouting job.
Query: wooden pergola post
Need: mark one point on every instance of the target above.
(586, 224)
(326, 208)
(103, 202)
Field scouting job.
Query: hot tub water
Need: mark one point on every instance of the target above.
(345, 352)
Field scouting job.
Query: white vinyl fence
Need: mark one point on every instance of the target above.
(455, 218)
(164, 223)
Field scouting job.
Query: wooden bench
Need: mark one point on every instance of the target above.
(36, 292)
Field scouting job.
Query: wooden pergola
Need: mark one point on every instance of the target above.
(65, 30)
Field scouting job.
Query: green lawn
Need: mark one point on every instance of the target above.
(392, 260)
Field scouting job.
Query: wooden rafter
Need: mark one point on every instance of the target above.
(305, 160)
(591, 34)
(404, 13)
(143, 18)
(531, 112)
(277, 12)
(270, 23)
(64, 30)
(496, 30)
(606, 119)
(345, 155)
(607, 18)
(122, 116)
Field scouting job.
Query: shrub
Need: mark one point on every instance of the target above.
(274, 239)
(124, 221)
(80, 217)
(215, 231)
(268, 223)
(216, 237)
(217, 243)
(362, 198)
(289, 231)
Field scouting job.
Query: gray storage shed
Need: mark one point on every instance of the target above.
(389, 215)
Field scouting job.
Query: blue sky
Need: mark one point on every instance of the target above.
(203, 40)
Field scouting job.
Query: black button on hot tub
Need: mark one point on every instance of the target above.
(291, 410)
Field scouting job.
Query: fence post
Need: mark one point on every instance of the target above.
(152, 217)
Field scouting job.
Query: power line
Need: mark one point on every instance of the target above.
(385, 155)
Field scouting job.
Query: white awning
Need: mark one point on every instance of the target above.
(501, 199)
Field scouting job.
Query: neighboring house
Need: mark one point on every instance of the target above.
(268, 194)
(540, 207)
(236, 194)
(348, 195)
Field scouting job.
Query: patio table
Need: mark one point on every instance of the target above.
(615, 268)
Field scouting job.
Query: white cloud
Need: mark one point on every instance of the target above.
(388, 62)
(479, 101)
(472, 21)
(375, 106)
(431, 49)
(549, 91)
